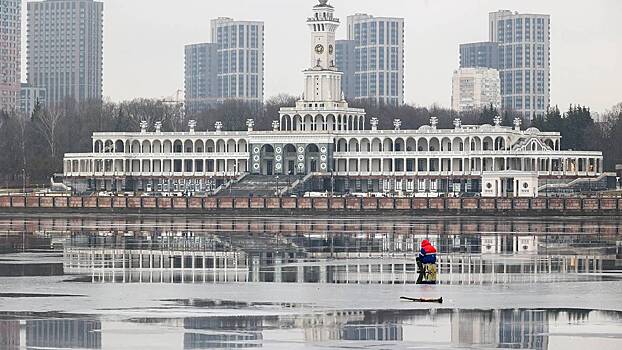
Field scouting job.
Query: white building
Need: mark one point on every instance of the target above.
(475, 88)
(324, 141)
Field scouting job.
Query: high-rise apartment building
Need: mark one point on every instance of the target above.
(201, 77)
(378, 58)
(475, 88)
(231, 67)
(524, 60)
(481, 54)
(240, 58)
(345, 63)
(10, 57)
(65, 48)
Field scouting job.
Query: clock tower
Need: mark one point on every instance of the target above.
(322, 80)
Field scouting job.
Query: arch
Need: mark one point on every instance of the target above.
(231, 146)
(188, 146)
(365, 145)
(331, 122)
(199, 146)
(445, 144)
(487, 144)
(242, 146)
(286, 122)
(146, 146)
(119, 146)
(387, 145)
(221, 147)
(476, 143)
(267, 159)
(457, 144)
(411, 144)
(499, 143)
(318, 123)
(307, 122)
(434, 145)
(98, 147)
(342, 145)
(399, 145)
(210, 146)
(353, 145)
(289, 159)
(297, 122)
(135, 146)
(424, 145)
(376, 145)
(157, 146)
(312, 158)
(167, 146)
(178, 146)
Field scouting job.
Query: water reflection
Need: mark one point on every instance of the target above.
(502, 328)
(281, 250)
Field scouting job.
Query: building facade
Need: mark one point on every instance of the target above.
(346, 63)
(240, 59)
(30, 96)
(524, 60)
(231, 67)
(475, 88)
(378, 58)
(322, 139)
(65, 49)
(201, 77)
(480, 54)
(10, 53)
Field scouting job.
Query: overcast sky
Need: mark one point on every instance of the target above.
(144, 43)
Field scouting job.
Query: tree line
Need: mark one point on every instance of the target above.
(36, 143)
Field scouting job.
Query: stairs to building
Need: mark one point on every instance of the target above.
(258, 186)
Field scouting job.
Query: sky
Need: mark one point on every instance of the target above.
(144, 43)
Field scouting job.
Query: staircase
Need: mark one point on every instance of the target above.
(258, 186)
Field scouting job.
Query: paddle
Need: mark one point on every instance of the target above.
(422, 300)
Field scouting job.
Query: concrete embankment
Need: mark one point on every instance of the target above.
(314, 206)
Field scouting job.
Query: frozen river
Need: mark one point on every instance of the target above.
(308, 283)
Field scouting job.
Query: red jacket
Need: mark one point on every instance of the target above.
(427, 254)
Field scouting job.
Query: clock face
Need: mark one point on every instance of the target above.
(319, 48)
(330, 49)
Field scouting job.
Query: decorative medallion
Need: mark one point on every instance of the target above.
(323, 157)
(301, 149)
(256, 166)
(301, 157)
(256, 158)
(278, 150)
(256, 150)
(323, 166)
(278, 158)
(323, 149)
(278, 166)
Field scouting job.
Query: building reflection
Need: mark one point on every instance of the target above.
(50, 333)
(508, 329)
(194, 257)
(468, 328)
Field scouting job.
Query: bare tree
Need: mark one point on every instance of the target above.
(47, 123)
